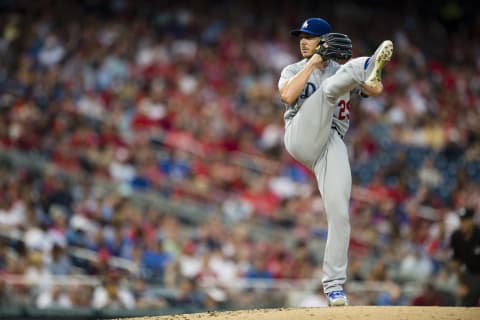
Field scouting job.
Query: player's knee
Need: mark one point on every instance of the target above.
(329, 91)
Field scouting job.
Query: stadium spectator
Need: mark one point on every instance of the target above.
(429, 296)
(112, 294)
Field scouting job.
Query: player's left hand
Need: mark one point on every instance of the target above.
(337, 46)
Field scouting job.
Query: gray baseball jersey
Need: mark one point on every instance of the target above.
(341, 115)
(314, 128)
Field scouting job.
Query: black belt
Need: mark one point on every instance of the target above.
(338, 131)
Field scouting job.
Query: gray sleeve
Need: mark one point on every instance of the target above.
(286, 74)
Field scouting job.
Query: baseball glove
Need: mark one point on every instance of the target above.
(335, 46)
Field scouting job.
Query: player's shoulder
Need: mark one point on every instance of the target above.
(296, 66)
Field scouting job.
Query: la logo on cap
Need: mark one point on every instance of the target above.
(305, 24)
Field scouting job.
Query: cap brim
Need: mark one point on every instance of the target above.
(297, 32)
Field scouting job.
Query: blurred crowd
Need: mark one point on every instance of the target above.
(181, 102)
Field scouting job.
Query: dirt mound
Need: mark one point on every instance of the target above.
(339, 313)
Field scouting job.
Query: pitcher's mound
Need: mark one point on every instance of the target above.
(338, 313)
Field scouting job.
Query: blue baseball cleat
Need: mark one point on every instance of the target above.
(337, 298)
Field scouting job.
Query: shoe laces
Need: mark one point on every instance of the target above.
(336, 294)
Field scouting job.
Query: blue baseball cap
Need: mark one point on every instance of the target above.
(314, 26)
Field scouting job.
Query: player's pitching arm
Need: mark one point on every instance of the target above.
(291, 89)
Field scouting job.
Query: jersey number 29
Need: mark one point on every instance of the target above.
(344, 112)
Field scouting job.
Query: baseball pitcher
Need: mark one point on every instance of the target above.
(316, 93)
